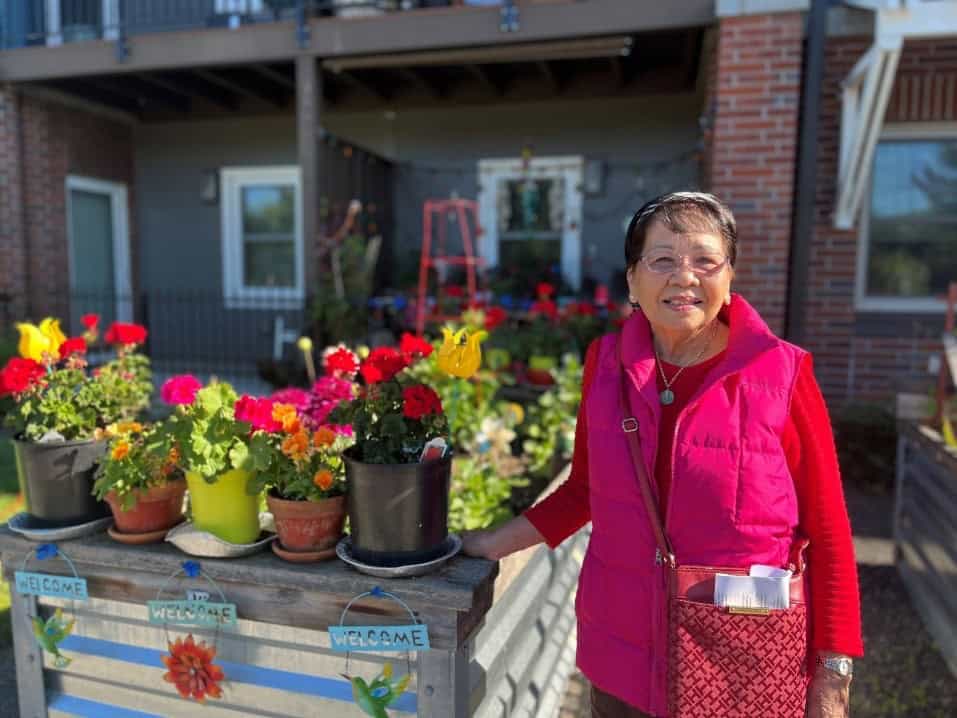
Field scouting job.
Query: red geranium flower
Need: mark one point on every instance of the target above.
(180, 390)
(342, 362)
(494, 316)
(544, 290)
(383, 364)
(256, 412)
(454, 290)
(419, 401)
(73, 345)
(90, 321)
(191, 669)
(19, 375)
(122, 333)
(581, 309)
(414, 346)
(546, 307)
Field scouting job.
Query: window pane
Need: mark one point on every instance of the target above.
(913, 223)
(268, 209)
(532, 206)
(269, 264)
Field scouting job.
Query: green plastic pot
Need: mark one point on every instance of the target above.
(223, 508)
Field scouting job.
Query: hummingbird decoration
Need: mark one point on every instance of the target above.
(373, 698)
(51, 633)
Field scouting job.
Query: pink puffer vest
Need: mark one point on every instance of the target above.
(732, 500)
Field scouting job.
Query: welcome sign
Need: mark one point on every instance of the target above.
(192, 613)
(45, 584)
(379, 638)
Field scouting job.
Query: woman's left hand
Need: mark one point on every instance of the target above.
(828, 695)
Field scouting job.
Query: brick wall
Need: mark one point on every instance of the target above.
(58, 141)
(854, 363)
(12, 241)
(752, 144)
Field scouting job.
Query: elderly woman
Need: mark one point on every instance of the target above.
(736, 438)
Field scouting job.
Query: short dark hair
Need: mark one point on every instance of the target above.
(682, 213)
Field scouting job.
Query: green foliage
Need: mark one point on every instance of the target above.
(866, 440)
(549, 428)
(206, 435)
(345, 318)
(127, 385)
(134, 461)
(67, 402)
(479, 495)
(299, 478)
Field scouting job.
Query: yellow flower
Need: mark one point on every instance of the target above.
(124, 427)
(461, 353)
(304, 344)
(323, 479)
(35, 341)
(324, 437)
(287, 415)
(120, 450)
(296, 446)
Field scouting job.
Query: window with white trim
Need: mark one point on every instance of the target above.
(262, 237)
(909, 234)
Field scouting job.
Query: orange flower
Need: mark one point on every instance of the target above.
(191, 669)
(173, 456)
(287, 415)
(324, 437)
(296, 446)
(323, 479)
(121, 450)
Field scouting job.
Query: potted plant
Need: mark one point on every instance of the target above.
(397, 490)
(60, 410)
(143, 487)
(303, 473)
(209, 432)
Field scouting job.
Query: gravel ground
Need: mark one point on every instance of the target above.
(901, 675)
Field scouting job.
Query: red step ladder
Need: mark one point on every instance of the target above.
(461, 209)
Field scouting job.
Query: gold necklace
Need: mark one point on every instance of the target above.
(667, 396)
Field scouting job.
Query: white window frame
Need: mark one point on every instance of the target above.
(119, 209)
(236, 294)
(571, 169)
(916, 305)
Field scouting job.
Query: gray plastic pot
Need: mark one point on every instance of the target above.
(398, 513)
(56, 480)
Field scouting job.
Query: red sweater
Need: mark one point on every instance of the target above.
(809, 445)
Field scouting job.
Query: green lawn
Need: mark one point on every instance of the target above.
(9, 505)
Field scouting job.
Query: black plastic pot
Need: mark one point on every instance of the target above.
(398, 513)
(56, 480)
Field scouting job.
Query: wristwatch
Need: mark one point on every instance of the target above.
(842, 666)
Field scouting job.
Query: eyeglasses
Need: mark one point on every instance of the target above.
(701, 265)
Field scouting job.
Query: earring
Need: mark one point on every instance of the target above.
(633, 303)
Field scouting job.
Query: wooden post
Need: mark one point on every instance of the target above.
(308, 114)
(28, 655)
(444, 683)
(943, 376)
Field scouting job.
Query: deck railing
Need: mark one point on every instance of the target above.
(54, 22)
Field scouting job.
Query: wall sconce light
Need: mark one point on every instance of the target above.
(209, 187)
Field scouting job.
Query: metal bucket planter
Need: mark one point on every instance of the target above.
(56, 480)
(398, 513)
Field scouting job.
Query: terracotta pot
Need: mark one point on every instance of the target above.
(308, 525)
(156, 508)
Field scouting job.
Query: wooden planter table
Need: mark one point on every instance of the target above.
(277, 660)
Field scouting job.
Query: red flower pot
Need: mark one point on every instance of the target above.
(156, 508)
(308, 526)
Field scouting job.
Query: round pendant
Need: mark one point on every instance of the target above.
(667, 397)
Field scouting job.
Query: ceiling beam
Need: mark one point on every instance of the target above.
(275, 76)
(144, 94)
(416, 78)
(194, 87)
(485, 78)
(229, 80)
(91, 93)
(367, 87)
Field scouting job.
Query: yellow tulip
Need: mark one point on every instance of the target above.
(32, 342)
(50, 328)
(461, 353)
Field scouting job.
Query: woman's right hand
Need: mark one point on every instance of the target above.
(499, 542)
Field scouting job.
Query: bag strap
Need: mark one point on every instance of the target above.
(629, 425)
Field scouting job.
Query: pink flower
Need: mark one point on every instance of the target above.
(327, 393)
(180, 390)
(341, 429)
(299, 398)
(257, 413)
